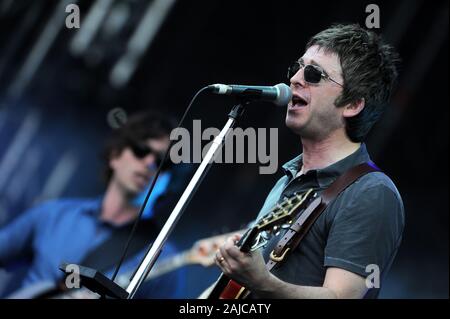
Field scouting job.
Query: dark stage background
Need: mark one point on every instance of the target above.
(57, 86)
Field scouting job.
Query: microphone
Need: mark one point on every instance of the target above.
(279, 94)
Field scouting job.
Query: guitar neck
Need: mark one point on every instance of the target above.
(170, 264)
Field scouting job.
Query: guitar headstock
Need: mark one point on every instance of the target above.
(203, 252)
(282, 213)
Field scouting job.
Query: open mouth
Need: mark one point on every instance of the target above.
(298, 101)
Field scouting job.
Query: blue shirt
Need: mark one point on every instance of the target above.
(66, 231)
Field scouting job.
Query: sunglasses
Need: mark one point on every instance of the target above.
(312, 74)
(141, 150)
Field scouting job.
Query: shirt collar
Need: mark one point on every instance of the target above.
(92, 206)
(327, 175)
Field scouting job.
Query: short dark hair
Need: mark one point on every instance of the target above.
(139, 127)
(369, 69)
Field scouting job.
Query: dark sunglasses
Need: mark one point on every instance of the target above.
(141, 150)
(311, 73)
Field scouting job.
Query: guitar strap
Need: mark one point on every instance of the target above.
(301, 226)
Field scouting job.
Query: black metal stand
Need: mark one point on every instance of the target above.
(96, 282)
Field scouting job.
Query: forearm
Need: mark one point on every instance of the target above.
(275, 288)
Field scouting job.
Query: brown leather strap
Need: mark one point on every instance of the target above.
(346, 179)
(301, 226)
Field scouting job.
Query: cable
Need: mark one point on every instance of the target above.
(133, 230)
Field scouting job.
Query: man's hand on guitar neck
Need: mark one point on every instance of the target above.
(249, 270)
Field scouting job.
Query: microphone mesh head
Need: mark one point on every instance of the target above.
(285, 94)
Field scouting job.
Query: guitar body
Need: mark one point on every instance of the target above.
(226, 288)
(233, 290)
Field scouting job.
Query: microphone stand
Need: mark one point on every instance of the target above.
(95, 281)
(152, 254)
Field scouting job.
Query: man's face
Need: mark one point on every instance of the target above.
(133, 173)
(316, 116)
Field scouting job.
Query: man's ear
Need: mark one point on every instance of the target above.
(354, 108)
(115, 154)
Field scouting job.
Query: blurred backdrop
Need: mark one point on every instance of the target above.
(57, 86)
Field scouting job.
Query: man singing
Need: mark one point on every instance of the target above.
(340, 85)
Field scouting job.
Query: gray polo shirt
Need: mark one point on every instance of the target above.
(360, 231)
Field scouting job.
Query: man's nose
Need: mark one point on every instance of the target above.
(298, 78)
